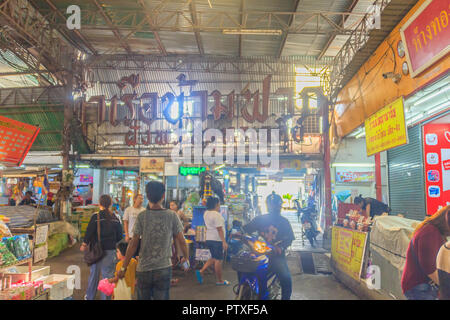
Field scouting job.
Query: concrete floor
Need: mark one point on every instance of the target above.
(305, 286)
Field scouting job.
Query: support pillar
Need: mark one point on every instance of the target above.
(378, 177)
(326, 165)
(65, 193)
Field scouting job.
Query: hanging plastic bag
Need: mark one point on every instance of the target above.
(122, 291)
(106, 287)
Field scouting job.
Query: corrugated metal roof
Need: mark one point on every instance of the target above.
(214, 43)
(9, 62)
(49, 120)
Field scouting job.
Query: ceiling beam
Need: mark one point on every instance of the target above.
(286, 33)
(331, 39)
(161, 46)
(114, 29)
(78, 33)
(242, 23)
(195, 23)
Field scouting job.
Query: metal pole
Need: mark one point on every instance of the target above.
(378, 177)
(326, 165)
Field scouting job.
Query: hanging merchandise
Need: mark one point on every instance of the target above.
(4, 230)
(7, 258)
(19, 246)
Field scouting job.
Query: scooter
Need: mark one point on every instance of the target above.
(308, 220)
(252, 267)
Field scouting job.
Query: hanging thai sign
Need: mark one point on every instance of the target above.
(386, 129)
(143, 110)
(426, 35)
(152, 165)
(347, 250)
(16, 139)
(436, 151)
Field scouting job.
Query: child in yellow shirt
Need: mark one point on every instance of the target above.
(130, 275)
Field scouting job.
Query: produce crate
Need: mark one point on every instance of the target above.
(58, 285)
(22, 274)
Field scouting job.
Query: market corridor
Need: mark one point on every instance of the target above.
(305, 286)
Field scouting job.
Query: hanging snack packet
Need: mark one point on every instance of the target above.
(9, 243)
(22, 248)
(4, 230)
(6, 257)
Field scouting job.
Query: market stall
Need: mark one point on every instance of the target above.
(31, 282)
(359, 242)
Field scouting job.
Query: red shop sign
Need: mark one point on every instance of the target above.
(436, 148)
(16, 139)
(426, 35)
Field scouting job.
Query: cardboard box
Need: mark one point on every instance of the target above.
(22, 274)
(60, 285)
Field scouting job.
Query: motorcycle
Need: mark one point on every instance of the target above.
(308, 220)
(256, 282)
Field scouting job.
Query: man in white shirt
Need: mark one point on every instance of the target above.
(130, 216)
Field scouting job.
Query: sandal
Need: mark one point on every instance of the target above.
(224, 283)
(199, 276)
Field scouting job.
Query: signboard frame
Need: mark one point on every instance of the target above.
(144, 161)
(377, 114)
(29, 138)
(431, 61)
(439, 184)
(334, 252)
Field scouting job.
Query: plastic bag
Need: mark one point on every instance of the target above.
(122, 291)
(22, 248)
(106, 287)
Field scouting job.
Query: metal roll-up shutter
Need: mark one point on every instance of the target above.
(406, 177)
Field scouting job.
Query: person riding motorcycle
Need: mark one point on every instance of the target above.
(278, 231)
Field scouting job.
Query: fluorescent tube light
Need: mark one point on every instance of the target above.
(276, 32)
(432, 95)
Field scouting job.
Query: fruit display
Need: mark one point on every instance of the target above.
(354, 220)
(22, 291)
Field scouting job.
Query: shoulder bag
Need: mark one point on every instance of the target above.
(94, 252)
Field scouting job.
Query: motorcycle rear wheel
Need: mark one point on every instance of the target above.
(275, 289)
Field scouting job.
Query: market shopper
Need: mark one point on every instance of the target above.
(173, 205)
(110, 234)
(130, 215)
(443, 266)
(372, 206)
(278, 231)
(215, 240)
(130, 275)
(27, 200)
(154, 228)
(420, 276)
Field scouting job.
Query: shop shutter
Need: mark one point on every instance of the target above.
(406, 177)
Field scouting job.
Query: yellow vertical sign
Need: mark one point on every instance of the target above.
(347, 250)
(386, 128)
